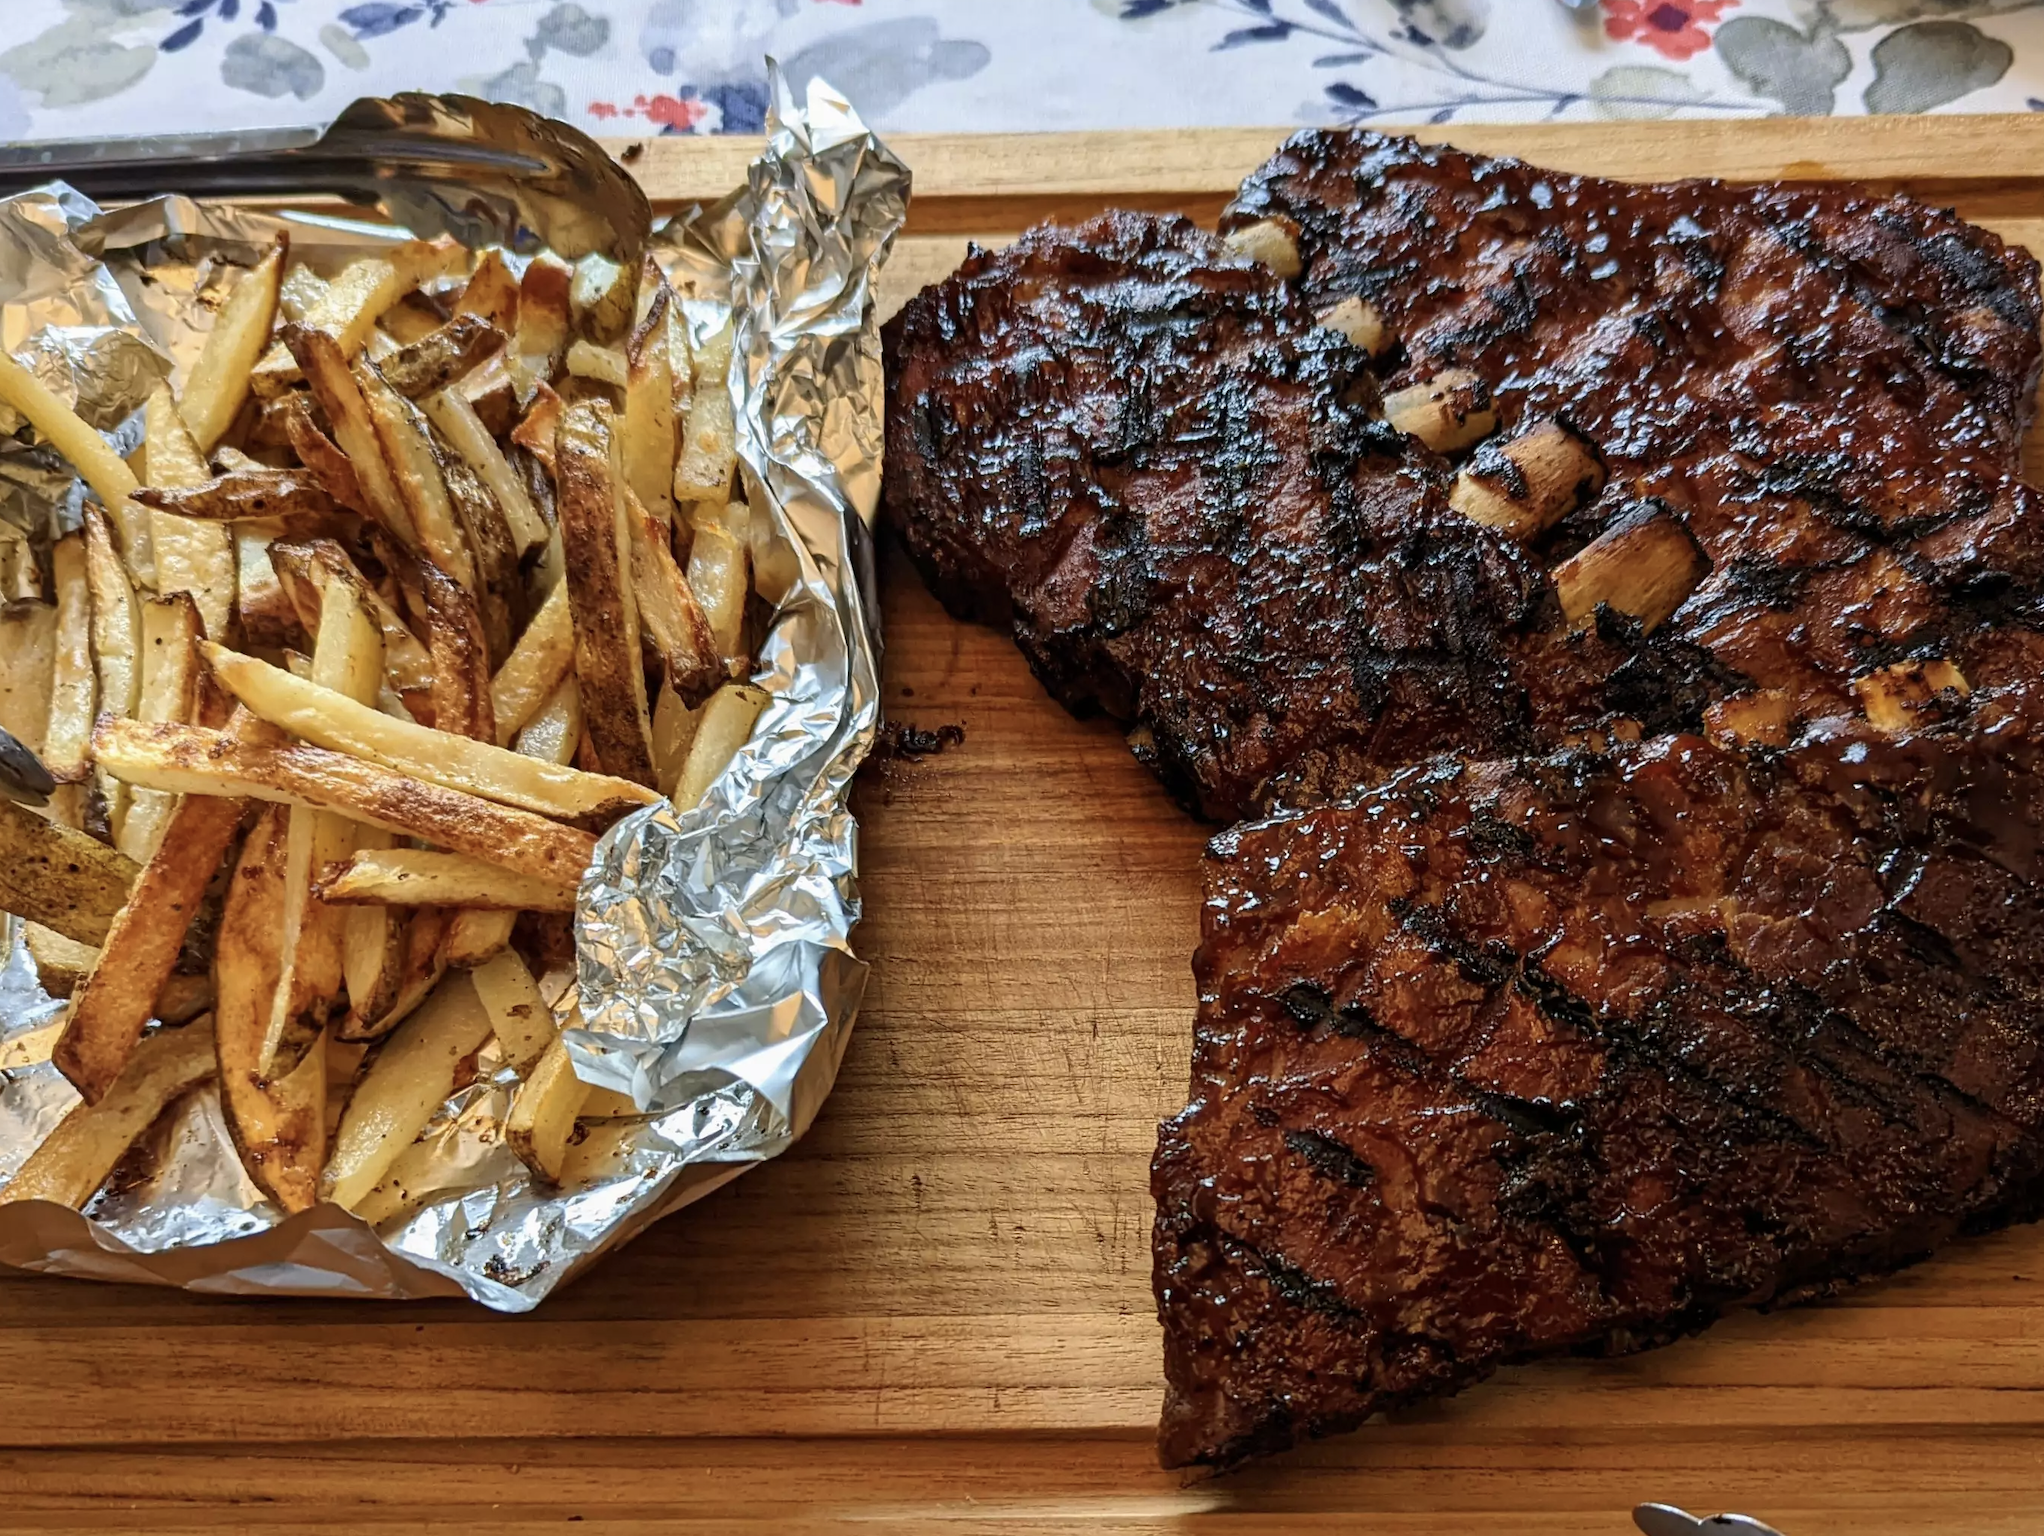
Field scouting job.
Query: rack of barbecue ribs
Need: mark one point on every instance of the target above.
(1616, 609)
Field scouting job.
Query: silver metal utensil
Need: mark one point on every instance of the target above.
(23, 777)
(1667, 1520)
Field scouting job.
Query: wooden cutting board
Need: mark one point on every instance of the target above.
(935, 1313)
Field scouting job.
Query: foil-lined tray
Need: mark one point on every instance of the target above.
(717, 984)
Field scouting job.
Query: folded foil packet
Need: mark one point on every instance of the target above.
(717, 985)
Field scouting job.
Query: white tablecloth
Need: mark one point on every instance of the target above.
(88, 68)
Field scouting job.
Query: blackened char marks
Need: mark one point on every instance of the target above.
(1135, 448)
(1831, 386)
(1688, 1029)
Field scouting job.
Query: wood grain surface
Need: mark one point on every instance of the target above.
(934, 1315)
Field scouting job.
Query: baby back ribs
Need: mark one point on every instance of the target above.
(1575, 1053)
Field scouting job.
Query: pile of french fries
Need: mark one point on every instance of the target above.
(432, 570)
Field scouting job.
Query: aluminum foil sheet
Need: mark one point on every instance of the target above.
(717, 985)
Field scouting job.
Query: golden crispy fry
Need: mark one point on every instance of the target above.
(442, 355)
(373, 949)
(499, 590)
(523, 1023)
(544, 1111)
(277, 1114)
(348, 308)
(409, 1079)
(450, 411)
(724, 724)
(600, 297)
(402, 433)
(171, 677)
(28, 640)
(192, 760)
(413, 1178)
(544, 655)
(339, 393)
(492, 292)
(539, 431)
(61, 878)
(606, 365)
(145, 936)
(322, 459)
(674, 728)
(418, 877)
(421, 966)
(474, 767)
(74, 686)
(261, 606)
(308, 568)
(242, 494)
(75, 1158)
(62, 966)
(103, 469)
(116, 641)
(410, 320)
(542, 335)
(461, 659)
(709, 444)
(191, 556)
(219, 381)
(596, 536)
(717, 576)
(649, 422)
(668, 609)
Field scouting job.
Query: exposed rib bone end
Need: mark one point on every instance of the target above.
(1524, 487)
(1274, 242)
(1644, 566)
(1911, 694)
(1361, 322)
(1449, 411)
(1758, 719)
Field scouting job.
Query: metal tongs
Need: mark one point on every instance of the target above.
(1667, 1520)
(480, 171)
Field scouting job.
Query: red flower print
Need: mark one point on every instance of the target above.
(676, 114)
(1675, 27)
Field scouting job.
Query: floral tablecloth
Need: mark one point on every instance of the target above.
(90, 68)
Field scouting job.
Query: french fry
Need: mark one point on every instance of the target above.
(408, 1080)
(219, 381)
(450, 411)
(74, 685)
(492, 292)
(544, 1111)
(442, 355)
(419, 877)
(680, 360)
(461, 661)
(60, 877)
(596, 538)
(146, 935)
(242, 495)
(322, 459)
(348, 308)
(62, 966)
(724, 725)
(674, 728)
(474, 935)
(275, 1112)
(717, 576)
(300, 290)
(520, 1018)
(544, 655)
(402, 433)
(339, 393)
(309, 566)
(193, 760)
(543, 316)
(649, 422)
(499, 590)
(102, 469)
(410, 320)
(191, 556)
(473, 767)
(116, 640)
(28, 638)
(20, 580)
(668, 609)
(373, 949)
(539, 430)
(775, 566)
(263, 610)
(421, 965)
(600, 297)
(171, 631)
(709, 444)
(606, 365)
(75, 1159)
(413, 1178)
